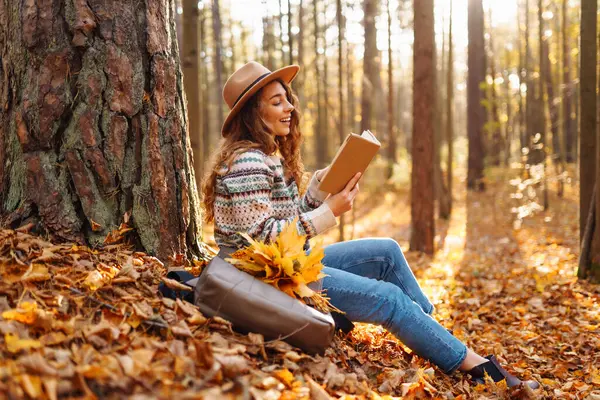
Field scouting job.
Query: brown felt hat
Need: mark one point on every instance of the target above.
(248, 80)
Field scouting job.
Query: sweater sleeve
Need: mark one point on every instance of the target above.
(249, 206)
(313, 198)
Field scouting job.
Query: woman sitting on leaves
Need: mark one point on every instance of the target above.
(252, 187)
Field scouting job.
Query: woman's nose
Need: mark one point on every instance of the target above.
(290, 107)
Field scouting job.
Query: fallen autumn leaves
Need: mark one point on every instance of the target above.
(83, 322)
(78, 322)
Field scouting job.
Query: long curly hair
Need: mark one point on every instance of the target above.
(249, 131)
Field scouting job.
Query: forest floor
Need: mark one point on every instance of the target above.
(505, 286)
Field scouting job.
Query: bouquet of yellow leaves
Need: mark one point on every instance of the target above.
(285, 265)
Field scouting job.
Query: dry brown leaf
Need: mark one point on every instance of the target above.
(316, 391)
(173, 284)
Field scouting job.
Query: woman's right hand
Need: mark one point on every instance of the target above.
(341, 202)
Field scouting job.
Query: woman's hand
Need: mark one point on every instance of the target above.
(341, 202)
(321, 173)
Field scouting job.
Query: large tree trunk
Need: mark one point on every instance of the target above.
(422, 193)
(589, 149)
(94, 124)
(475, 110)
(192, 75)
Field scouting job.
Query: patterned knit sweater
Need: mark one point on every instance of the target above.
(254, 197)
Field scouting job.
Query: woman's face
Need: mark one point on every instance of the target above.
(275, 109)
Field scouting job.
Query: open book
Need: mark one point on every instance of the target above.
(353, 156)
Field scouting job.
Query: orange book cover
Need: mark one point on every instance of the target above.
(353, 156)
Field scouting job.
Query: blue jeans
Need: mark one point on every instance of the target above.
(370, 280)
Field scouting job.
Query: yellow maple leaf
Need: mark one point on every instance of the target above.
(14, 344)
(284, 264)
(26, 313)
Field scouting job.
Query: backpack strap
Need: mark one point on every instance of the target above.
(183, 277)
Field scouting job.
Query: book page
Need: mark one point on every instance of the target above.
(369, 136)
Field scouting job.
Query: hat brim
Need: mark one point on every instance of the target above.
(287, 74)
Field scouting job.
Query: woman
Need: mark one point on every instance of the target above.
(252, 186)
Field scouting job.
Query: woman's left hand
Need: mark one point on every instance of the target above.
(321, 173)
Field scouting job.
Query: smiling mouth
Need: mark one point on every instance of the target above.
(286, 120)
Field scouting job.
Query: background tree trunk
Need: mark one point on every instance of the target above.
(422, 193)
(496, 133)
(352, 125)
(392, 142)
(290, 33)
(342, 120)
(450, 112)
(590, 159)
(371, 84)
(475, 110)
(281, 39)
(218, 61)
(567, 87)
(320, 135)
(541, 115)
(530, 93)
(553, 111)
(94, 124)
(441, 191)
(522, 81)
(508, 99)
(207, 131)
(191, 73)
(299, 81)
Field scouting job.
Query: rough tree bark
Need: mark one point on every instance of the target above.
(422, 191)
(475, 110)
(94, 124)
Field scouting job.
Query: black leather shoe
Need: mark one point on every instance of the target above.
(497, 373)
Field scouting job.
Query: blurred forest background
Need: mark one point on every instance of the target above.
(504, 89)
